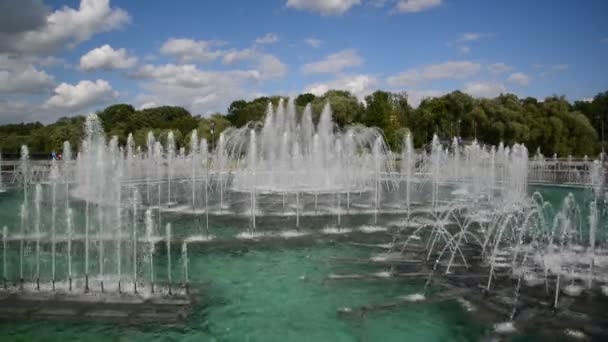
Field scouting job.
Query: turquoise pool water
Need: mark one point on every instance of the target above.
(275, 292)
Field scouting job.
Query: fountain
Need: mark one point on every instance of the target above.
(461, 212)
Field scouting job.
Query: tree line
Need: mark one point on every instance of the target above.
(552, 125)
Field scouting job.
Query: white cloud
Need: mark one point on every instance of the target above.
(268, 38)
(190, 50)
(334, 63)
(484, 89)
(69, 26)
(107, 58)
(313, 42)
(190, 76)
(234, 56)
(49, 61)
(560, 67)
(359, 85)
(519, 78)
(17, 76)
(469, 37)
(604, 40)
(465, 50)
(80, 96)
(499, 68)
(271, 67)
(552, 69)
(412, 6)
(325, 7)
(147, 105)
(378, 3)
(447, 70)
(15, 111)
(203, 91)
(414, 97)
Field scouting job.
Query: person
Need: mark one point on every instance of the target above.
(53, 155)
(59, 156)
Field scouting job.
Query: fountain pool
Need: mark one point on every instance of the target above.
(291, 230)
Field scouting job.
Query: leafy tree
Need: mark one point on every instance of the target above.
(304, 99)
(346, 108)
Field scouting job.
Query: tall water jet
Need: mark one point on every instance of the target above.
(436, 151)
(378, 161)
(150, 146)
(204, 149)
(221, 165)
(135, 201)
(116, 198)
(151, 243)
(194, 160)
(593, 222)
(170, 157)
(67, 171)
(456, 156)
(69, 235)
(168, 239)
(251, 158)
(295, 156)
(596, 177)
(24, 167)
(23, 216)
(54, 177)
(37, 217)
(407, 168)
(185, 264)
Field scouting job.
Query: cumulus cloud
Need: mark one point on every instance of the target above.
(412, 6)
(19, 76)
(471, 37)
(18, 16)
(234, 55)
(107, 58)
(80, 96)
(325, 7)
(499, 68)
(552, 69)
(313, 42)
(25, 80)
(360, 85)
(484, 89)
(447, 70)
(414, 97)
(560, 67)
(190, 50)
(334, 63)
(465, 50)
(202, 91)
(519, 78)
(64, 27)
(271, 67)
(16, 110)
(268, 38)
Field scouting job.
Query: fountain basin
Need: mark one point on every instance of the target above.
(123, 307)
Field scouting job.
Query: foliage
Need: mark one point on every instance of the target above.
(552, 125)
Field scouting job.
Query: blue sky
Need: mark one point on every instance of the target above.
(61, 58)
